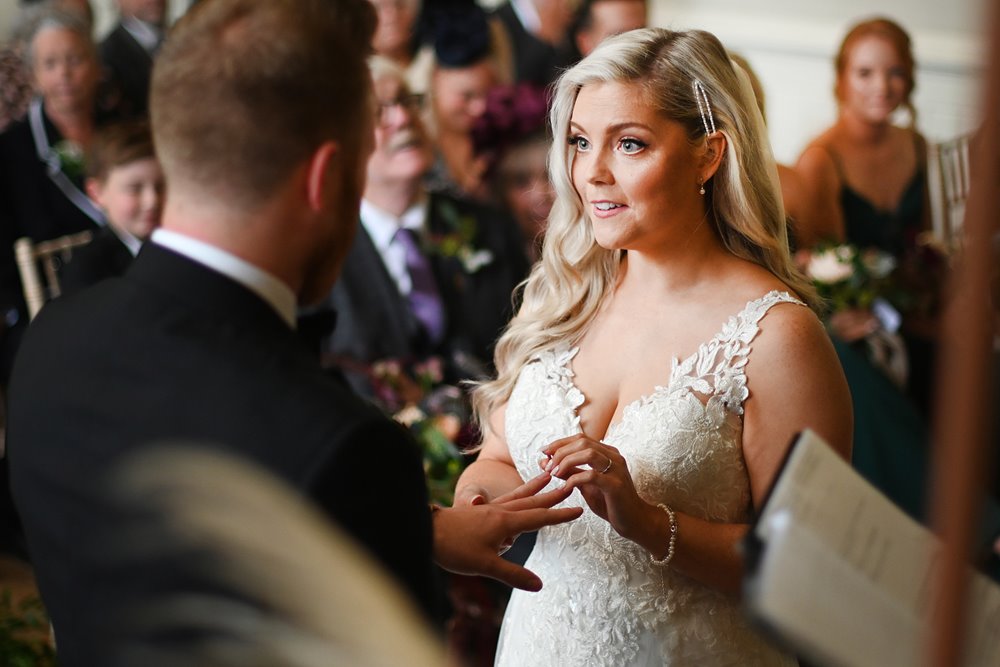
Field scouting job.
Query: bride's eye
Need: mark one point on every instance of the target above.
(631, 146)
(580, 143)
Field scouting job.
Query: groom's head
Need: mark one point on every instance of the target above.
(244, 90)
(262, 111)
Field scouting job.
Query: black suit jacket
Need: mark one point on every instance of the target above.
(106, 256)
(535, 61)
(174, 351)
(30, 205)
(374, 321)
(129, 69)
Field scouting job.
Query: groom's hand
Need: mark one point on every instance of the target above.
(468, 539)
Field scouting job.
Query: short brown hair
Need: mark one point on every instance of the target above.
(244, 90)
(117, 145)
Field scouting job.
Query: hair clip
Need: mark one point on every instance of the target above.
(704, 107)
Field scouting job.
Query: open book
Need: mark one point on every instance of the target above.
(842, 576)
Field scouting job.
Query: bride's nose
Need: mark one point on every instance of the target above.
(597, 169)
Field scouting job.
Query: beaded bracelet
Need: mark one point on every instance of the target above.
(673, 538)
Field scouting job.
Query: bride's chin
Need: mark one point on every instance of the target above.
(608, 245)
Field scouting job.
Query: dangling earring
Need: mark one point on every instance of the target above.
(701, 189)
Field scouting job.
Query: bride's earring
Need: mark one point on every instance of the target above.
(701, 189)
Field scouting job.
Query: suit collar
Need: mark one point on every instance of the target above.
(268, 287)
(216, 296)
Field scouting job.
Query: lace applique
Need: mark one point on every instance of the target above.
(604, 602)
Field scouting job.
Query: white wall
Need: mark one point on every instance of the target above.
(791, 45)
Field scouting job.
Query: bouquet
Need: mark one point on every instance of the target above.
(847, 277)
(437, 414)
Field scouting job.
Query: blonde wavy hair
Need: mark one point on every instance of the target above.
(570, 282)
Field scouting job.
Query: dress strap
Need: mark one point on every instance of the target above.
(734, 349)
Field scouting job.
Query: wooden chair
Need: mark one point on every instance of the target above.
(39, 264)
(948, 178)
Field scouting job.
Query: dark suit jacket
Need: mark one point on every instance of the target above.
(106, 256)
(30, 205)
(535, 61)
(173, 351)
(129, 68)
(374, 321)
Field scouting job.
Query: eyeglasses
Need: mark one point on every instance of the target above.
(411, 103)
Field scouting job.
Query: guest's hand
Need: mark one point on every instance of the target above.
(469, 537)
(601, 474)
(853, 324)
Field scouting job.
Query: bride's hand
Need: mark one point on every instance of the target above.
(601, 474)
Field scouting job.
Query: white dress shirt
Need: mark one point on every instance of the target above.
(527, 14)
(269, 288)
(148, 35)
(382, 226)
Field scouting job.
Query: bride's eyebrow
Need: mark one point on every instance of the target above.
(616, 128)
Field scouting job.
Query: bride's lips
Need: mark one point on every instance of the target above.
(602, 208)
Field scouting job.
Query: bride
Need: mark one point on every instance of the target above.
(662, 360)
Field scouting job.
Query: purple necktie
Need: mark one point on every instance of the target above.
(425, 301)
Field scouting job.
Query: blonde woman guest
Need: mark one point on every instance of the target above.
(661, 362)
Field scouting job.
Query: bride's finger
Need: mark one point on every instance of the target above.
(570, 444)
(592, 459)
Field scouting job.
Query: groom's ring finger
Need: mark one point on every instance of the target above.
(607, 467)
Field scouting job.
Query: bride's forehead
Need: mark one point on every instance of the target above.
(612, 103)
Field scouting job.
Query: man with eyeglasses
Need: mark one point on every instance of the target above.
(428, 274)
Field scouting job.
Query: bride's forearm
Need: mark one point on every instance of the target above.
(488, 478)
(705, 551)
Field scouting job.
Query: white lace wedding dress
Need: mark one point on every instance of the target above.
(604, 602)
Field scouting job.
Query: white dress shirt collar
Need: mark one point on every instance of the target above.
(269, 288)
(147, 34)
(527, 14)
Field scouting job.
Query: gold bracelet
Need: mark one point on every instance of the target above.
(672, 543)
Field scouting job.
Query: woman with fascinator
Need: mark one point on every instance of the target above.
(467, 57)
(513, 137)
(664, 356)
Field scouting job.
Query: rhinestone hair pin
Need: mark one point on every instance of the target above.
(704, 107)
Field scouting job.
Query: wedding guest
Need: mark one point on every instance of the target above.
(866, 181)
(398, 37)
(41, 156)
(596, 20)
(512, 134)
(128, 51)
(464, 71)
(662, 360)
(428, 274)
(867, 177)
(538, 34)
(196, 342)
(124, 178)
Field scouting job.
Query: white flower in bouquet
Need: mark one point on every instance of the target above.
(878, 263)
(831, 265)
(410, 415)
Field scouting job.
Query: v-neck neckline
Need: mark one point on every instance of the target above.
(676, 365)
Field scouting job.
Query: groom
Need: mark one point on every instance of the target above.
(262, 117)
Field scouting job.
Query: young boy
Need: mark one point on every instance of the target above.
(125, 180)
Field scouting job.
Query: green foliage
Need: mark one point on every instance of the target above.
(24, 633)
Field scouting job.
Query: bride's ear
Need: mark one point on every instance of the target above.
(715, 148)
